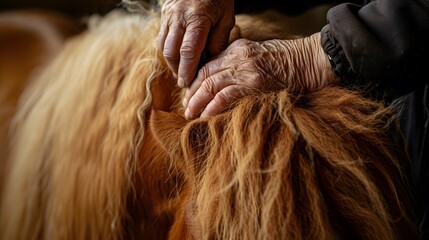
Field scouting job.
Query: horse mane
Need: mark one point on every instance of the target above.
(28, 39)
(78, 132)
(85, 164)
(320, 165)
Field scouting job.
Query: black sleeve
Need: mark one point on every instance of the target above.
(384, 43)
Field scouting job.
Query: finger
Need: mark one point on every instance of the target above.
(222, 100)
(193, 45)
(206, 71)
(171, 48)
(223, 61)
(162, 35)
(208, 90)
(219, 35)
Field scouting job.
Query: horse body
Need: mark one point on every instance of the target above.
(102, 151)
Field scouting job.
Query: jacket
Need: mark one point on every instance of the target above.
(384, 45)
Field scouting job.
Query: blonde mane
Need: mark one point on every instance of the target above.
(78, 133)
(101, 151)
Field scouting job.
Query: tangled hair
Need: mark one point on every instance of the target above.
(96, 155)
(281, 166)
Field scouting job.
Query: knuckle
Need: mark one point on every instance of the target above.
(247, 53)
(203, 12)
(239, 42)
(243, 42)
(170, 55)
(187, 52)
(242, 46)
(208, 87)
(204, 72)
(202, 17)
(222, 99)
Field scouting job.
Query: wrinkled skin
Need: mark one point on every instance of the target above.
(190, 26)
(248, 67)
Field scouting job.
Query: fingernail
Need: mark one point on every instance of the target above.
(185, 102)
(181, 82)
(187, 114)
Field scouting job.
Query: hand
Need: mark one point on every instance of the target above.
(248, 67)
(190, 26)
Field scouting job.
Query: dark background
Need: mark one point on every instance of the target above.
(85, 7)
(69, 7)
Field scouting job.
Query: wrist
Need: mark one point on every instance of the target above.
(322, 62)
(313, 68)
(302, 63)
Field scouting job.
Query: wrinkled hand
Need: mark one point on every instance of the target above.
(248, 67)
(190, 26)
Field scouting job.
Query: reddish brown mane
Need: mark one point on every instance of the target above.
(278, 165)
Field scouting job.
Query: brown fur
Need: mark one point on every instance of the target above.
(86, 165)
(279, 166)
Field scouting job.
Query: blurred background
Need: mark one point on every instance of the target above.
(84, 7)
(73, 8)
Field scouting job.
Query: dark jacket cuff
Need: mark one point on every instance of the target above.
(338, 59)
